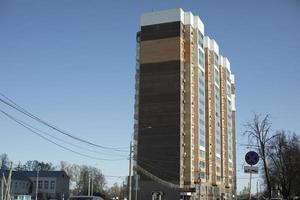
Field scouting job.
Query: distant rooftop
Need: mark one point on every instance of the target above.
(24, 175)
(14, 176)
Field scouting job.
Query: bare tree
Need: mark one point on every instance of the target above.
(284, 162)
(259, 134)
(4, 161)
(116, 191)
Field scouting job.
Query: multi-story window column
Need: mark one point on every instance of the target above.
(232, 81)
(226, 126)
(212, 119)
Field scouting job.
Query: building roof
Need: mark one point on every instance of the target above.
(25, 175)
(45, 173)
(14, 176)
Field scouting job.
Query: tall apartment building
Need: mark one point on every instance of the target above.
(184, 111)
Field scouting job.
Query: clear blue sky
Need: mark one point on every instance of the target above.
(72, 63)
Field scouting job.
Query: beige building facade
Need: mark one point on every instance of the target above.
(184, 111)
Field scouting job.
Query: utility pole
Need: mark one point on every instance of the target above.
(37, 183)
(89, 186)
(130, 166)
(123, 189)
(92, 185)
(2, 186)
(250, 186)
(257, 189)
(7, 184)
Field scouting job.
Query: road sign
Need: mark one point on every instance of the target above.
(251, 169)
(251, 158)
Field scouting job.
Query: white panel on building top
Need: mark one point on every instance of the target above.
(227, 64)
(199, 24)
(221, 60)
(164, 16)
(206, 42)
(172, 15)
(211, 44)
(189, 18)
(224, 62)
(214, 46)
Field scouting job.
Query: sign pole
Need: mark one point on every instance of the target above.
(250, 185)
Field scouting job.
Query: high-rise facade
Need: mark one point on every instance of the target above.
(184, 110)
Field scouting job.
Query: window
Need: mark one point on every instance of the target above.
(16, 184)
(201, 92)
(218, 169)
(52, 185)
(219, 178)
(202, 122)
(46, 185)
(202, 175)
(201, 56)
(40, 184)
(202, 153)
(201, 82)
(216, 72)
(202, 102)
(202, 164)
(200, 39)
(217, 89)
(216, 59)
(228, 89)
(202, 73)
(201, 111)
(202, 143)
(217, 97)
(34, 183)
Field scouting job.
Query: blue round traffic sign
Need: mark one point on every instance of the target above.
(251, 158)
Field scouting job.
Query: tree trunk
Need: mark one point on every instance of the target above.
(266, 171)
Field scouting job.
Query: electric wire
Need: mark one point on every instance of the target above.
(67, 142)
(14, 105)
(49, 140)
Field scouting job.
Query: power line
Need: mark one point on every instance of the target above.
(64, 141)
(49, 140)
(14, 105)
